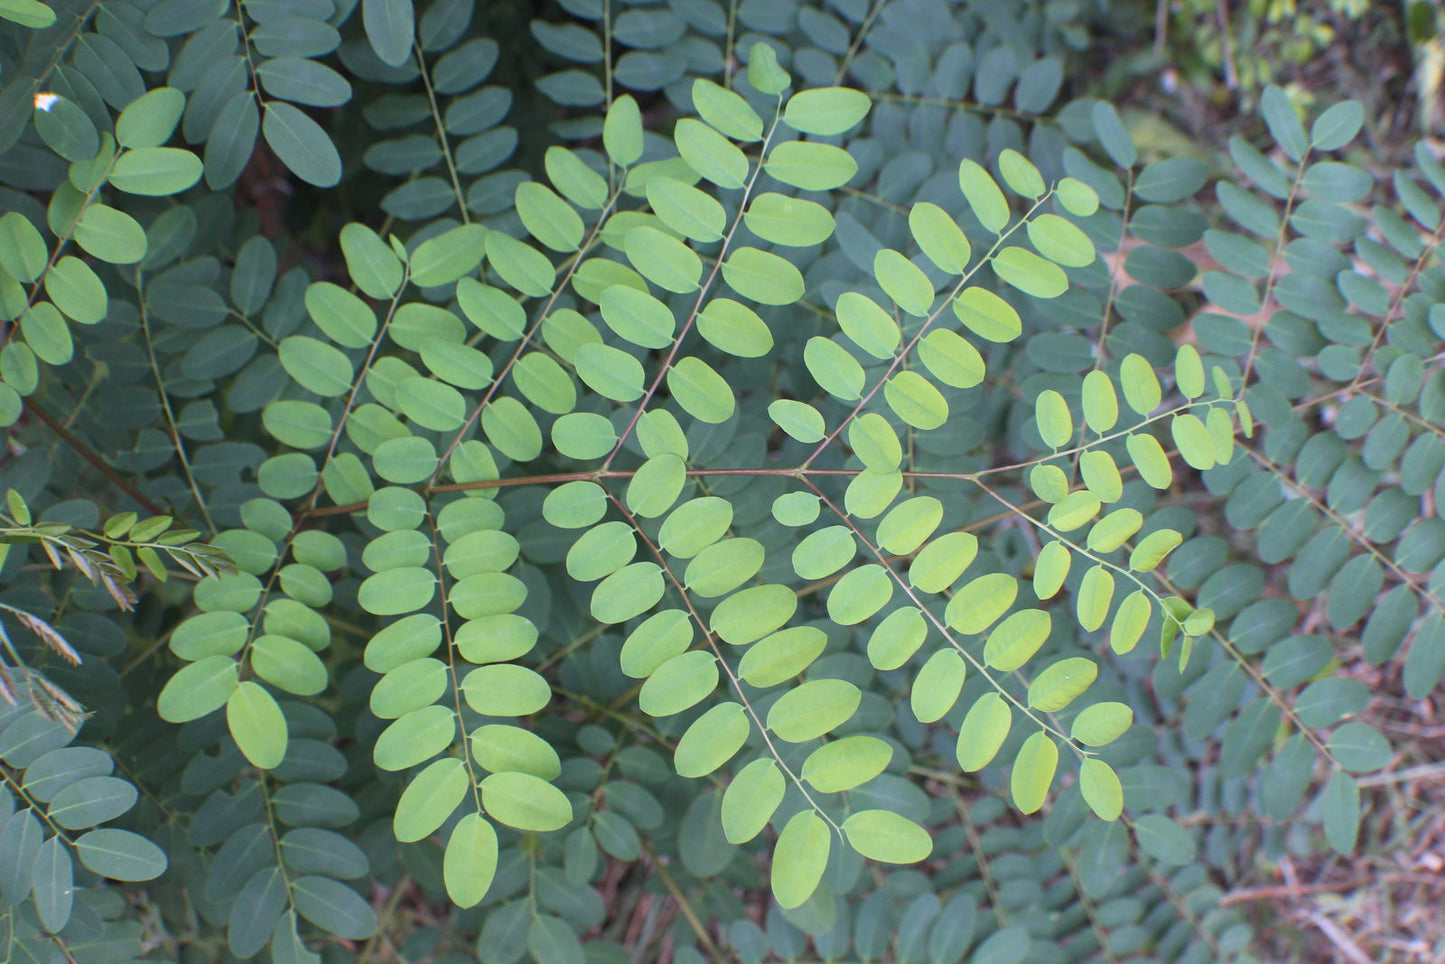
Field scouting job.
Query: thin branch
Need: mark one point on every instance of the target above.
(89, 454)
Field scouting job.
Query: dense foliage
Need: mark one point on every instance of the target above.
(684, 481)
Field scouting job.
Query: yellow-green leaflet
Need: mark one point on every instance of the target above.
(1101, 404)
(1060, 684)
(1101, 789)
(1051, 568)
(799, 858)
(985, 727)
(1033, 771)
(1056, 425)
(846, 763)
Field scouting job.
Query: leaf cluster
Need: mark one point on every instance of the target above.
(747, 445)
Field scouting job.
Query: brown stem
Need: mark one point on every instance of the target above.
(85, 452)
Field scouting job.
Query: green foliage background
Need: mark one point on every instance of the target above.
(716, 511)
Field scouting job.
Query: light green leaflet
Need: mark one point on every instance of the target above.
(844, 764)
(622, 131)
(503, 689)
(813, 709)
(859, 595)
(985, 727)
(950, 359)
(22, 249)
(1193, 440)
(692, 213)
(712, 739)
(663, 260)
(799, 419)
(734, 328)
(155, 171)
(1101, 789)
(983, 195)
(656, 640)
(1060, 241)
(519, 265)
(700, 390)
(750, 800)
(903, 281)
(1101, 475)
(941, 239)
(782, 655)
(1074, 510)
(869, 326)
(502, 748)
(1129, 622)
(1060, 684)
(1149, 457)
(1051, 568)
(679, 683)
(799, 858)
(415, 738)
(822, 553)
(1153, 549)
(524, 802)
(601, 551)
(1101, 404)
(628, 592)
(725, 111)
(1030, 273)
(1056, 425)
(1189, 372)
(793, 222)
(896, 638)
(826, 110)
(887, 836)
(710, 154)
(638, 317)
(1020, 174)
(875, 443)
(837, 372)
(573, 179)
(1114, 529)
(938, 685)
(1077, 198)
(77, 291)
(906, 526)
(110, 235)
(656, 485)
(198, 689)
(1101, 723)
(979, 603)
(694, 525)
(345, 318)
(810, 166)
(470, 861)
(724, 566)
(1141, 386)
(940, 563)
(432, 796)
(1033, 771)
(1016, 639)
(914, 399)
(762, 276)
(987, 315)
(371, 263)
(548, 218)
(256, 723)
(610, 372)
